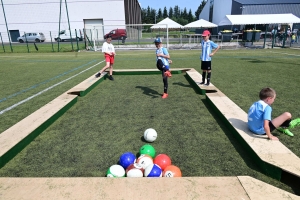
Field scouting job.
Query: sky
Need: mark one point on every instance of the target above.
(156, 4)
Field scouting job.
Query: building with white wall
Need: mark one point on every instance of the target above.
(45, 15)
(215, 10)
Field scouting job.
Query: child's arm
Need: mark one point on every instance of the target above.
(215, 51)
(165, 54)
(268, 132)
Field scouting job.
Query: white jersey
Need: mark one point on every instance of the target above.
(106, 47)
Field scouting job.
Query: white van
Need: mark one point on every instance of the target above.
(65, 35)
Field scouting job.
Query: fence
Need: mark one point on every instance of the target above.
(134, 36)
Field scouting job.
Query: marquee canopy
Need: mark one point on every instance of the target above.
(201, 23)
(259, 19)
(162, 24)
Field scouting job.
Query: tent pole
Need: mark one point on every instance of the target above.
(167, 37)
(265, 36)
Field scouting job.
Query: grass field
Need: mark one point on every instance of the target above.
(111, 119)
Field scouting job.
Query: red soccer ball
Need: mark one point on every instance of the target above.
(162, 160)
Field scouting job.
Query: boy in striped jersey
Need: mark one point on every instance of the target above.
(206, 55)
(163, 64)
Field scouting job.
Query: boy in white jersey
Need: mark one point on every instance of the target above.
(109, 54)
(259, 116)
(162, 63)
(206, 55)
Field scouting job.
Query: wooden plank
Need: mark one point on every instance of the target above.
(15, 136)
(273, 152)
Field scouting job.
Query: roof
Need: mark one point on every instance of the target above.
(259, 19)
(249, 2)
(201, 23)
(167, 21)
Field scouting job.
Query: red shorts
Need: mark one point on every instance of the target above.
(109, 58)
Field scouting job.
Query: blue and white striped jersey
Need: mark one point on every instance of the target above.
(164, 51)
(206, 49)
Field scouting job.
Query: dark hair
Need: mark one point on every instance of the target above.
(266, 92)
(109, 36)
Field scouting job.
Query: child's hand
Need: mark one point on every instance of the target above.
(170, 61)
(274, 138)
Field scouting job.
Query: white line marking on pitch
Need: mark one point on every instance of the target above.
(285, 53)
(45, 90)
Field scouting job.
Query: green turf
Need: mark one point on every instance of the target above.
(240, 74)
(111, 119)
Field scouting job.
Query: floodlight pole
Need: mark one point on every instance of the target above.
(59, 25)
(6, 27)
(69, 25)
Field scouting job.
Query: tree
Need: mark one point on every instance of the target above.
(159, 14)
(184, 14)
(200, 8)
(165, 12)
(171, 13)
(190, 17)
(176, 12)
(152, 16)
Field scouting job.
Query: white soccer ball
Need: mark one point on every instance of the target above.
(150, 135)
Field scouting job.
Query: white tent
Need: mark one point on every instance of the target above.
(259, 19)
(201, 23)
(167, 21)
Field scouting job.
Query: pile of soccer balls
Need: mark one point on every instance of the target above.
(147, 164)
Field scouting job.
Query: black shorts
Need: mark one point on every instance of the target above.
(272, 127)
(206, 65)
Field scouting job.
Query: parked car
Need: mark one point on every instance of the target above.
(32, 37)
(64, 35)
(117, 34)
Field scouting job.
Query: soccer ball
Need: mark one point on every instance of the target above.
(135, 170)
(115, 171)
(153, 170)
(150, 135)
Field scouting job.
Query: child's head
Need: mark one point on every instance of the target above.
(157, 42)
(268, 95)
(108, 39)
(206, 35)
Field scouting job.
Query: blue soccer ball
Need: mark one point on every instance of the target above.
(127, 159)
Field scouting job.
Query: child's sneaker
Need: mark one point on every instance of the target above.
(294, 123)
(98, 75)
(286, 131)
(164, 96)
(111, 78)
(201, 83)
(168, 74)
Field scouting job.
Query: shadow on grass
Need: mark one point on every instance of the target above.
(150, 92)
(181, 84)
(252, 60)
(235, 143)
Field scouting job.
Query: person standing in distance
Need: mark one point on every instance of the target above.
(109, 54)
(207, 46)
(162, 63)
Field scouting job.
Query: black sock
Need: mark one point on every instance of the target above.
(208, 77)
(286, 123)
(203, 76)
(165, 80)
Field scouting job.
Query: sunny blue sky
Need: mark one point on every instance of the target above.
(156, 4)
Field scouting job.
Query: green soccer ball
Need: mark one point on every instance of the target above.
(148, 149)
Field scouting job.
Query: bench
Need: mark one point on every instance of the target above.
(87, 85)
(196, 78)
(272, 156)
(213, 188)
(17, 137)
